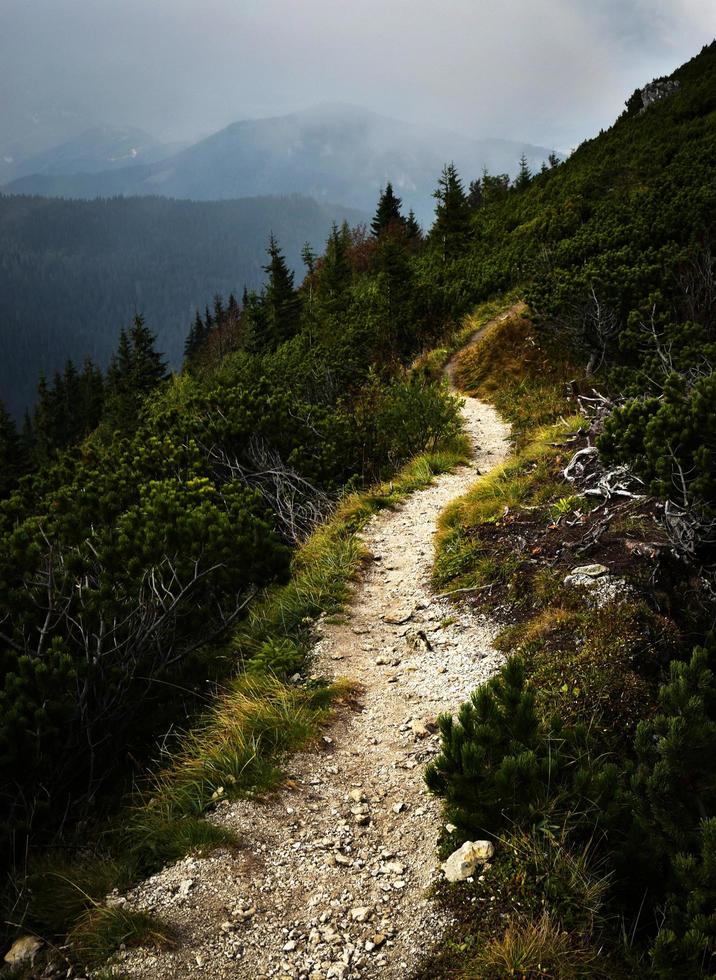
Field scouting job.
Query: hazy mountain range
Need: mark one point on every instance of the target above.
(333, 153)
(94, 150)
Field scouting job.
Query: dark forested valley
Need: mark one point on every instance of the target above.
(73, 273)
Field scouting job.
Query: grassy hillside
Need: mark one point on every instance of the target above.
(589, 759)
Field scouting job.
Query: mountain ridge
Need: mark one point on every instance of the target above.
(329, 152)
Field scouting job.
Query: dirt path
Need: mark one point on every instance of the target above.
(333, 880)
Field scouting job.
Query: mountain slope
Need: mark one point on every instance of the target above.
(332, 153)
(96, 149)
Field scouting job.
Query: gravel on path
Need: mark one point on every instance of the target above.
(333, 882)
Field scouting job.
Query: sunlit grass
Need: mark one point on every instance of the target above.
(102, 930)
(529, 479)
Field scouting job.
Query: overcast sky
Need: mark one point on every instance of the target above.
(548, 71)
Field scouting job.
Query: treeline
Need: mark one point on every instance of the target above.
(72, 273)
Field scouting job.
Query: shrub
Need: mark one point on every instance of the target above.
(499, 765)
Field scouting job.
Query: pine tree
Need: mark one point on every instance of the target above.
(255, 317)
(135, 370)
(387, 215)
(335, 275)
(394, 271)
(413, 231)
(308, 257)
(42, 424)
(148, 365)
(13, 461)
(219, 311)
(524, 175)
(451, 228)
(194, 340)
(282, 303)
(675, 805)
(475, 195)
(90, 398)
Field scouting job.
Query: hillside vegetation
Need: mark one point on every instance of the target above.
(130, 559)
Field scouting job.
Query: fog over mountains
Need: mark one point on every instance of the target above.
(95, 149)
(334, 153)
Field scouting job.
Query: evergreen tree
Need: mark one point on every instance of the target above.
(195, 339)
(387, 215)
(475, 195)
(308, 257)
(282, 303)
(335, 274)
(148, 365)
(413, 231)
(675, 807)
(42, 424)
(136, 369)
(524, 175)
(451, 229)
(219, 311)
(90, 398)
(120, 366)
(255, 316)
(27, 438)
(494, 187)
(392, 263)
(13, 461)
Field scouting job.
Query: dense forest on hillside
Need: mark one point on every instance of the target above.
(72, 273)
(127, 558)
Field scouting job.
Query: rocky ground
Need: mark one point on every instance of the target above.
(334, 874)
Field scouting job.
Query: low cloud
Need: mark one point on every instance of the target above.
(547, 71)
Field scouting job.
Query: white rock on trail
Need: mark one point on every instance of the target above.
(463, 862)
(354, 829)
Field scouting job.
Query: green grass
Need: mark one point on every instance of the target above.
(525, 381)
(433, 362)
(103, 930)
(238, 748)
(530, 479)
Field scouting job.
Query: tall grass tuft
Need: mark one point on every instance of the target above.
(238, 747)
(102, 930)
(537, 948)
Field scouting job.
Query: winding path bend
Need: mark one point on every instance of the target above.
(333, 881)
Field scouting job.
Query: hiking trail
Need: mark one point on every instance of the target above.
(332, 880)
